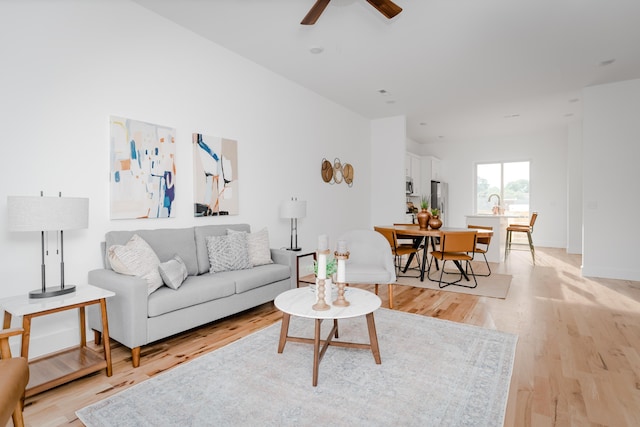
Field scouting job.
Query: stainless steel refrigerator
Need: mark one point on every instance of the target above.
(439, 196)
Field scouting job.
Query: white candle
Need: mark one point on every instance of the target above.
(322, 265)
(323, 242)
(341, 271)
(342, 247)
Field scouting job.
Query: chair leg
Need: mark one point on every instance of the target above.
(507, 245)
(390, 295)
(18, 420)
(486, 262)
(376, 290)
(533, 250)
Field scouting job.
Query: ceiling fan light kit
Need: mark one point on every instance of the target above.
(386, 7)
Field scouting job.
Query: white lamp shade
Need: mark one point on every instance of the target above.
(293, 209)
(27, 213)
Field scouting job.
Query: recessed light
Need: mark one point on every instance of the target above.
(391, 101)
(569, 115)
(607, 62)
(383, 92)
(511, 116)
(423, 123)
(316, 49)
(574, 100)
(441, 136)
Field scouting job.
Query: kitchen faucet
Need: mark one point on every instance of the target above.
(496, 208)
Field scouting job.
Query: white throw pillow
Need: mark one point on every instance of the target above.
(258, 246)
(228, 252)
(173, 272)
(136, 258)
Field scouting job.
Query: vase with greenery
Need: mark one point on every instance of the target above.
(423, 215)
(435, 222)
(332, 268)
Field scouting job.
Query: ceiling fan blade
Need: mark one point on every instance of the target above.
(315, 12)
(386, 7)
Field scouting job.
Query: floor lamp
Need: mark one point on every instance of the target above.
(45, 214)
(293, 209)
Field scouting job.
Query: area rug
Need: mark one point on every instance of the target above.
(495, 286)
(433, 373)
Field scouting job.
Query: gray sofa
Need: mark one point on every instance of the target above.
(137, 318)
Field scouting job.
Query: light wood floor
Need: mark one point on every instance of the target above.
(577, 360)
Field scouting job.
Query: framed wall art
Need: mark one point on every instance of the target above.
(143, 169)
(215, 170)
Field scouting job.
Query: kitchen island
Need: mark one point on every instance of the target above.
(495, 253)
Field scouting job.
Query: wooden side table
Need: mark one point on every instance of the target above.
(54, 369)
(303, 279)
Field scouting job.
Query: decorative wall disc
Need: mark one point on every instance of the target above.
(327, 171)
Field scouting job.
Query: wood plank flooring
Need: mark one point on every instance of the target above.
(577, 360)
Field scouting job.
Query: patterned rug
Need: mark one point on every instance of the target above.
(433, 373)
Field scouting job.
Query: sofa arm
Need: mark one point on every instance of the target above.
(288, 258)
(127, 309)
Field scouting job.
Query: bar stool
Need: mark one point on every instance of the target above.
(522, 228)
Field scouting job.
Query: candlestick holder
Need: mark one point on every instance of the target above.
(342, 258)
(321, 304)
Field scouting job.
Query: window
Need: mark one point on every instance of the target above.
(502, 184)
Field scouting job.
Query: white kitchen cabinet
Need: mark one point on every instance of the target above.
(413, 169)
(430, 171)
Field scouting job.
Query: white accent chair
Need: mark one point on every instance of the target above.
(370, 260)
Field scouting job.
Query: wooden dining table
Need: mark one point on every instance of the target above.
(429, 235)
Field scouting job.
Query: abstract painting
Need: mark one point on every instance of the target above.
(215, 174)
(143, 169)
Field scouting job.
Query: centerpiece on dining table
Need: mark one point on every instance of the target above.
(424, 215)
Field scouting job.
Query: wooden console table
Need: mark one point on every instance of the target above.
(52, 370)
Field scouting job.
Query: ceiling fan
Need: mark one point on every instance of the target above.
(386, 7)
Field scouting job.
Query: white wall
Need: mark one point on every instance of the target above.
(388, 142)
(574, 189)
(68, 65)
(611, 147)
(547, 152)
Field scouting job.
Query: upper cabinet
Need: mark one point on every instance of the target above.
(413, 169)
(430, 170)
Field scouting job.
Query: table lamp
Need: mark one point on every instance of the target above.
(44, 214)
(293, 209)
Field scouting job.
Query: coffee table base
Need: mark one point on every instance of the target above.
(320, 346)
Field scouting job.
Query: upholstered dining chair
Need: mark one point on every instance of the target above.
(370, 260)
(414, 242)
(14, 377)
(522, 228)
(399, 250)
(485, 242)
(455, 246)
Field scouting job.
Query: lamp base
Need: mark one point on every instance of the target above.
(52, 292)
(294, 249)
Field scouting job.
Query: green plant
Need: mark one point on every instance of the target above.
(424, 202)
(332, 267)
(435, 212)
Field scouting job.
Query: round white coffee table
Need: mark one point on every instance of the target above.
(298, 302)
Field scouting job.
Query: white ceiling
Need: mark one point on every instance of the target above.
(458, 69)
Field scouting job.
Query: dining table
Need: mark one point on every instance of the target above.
(424, 236)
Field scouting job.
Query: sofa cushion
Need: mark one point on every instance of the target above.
(258, 247)
(136, 258)
(228, 252)
(195, 290)
(173, 272)
(201, 233)
(165, 243)
(246, 280)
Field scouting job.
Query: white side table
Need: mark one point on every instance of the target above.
(298, 302)
(61, 367)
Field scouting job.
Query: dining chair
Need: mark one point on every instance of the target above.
(485, 242)
(409, 241)
(14, 377)
(398, 250)
(522, 228)
(370, 260)
(455, 246)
